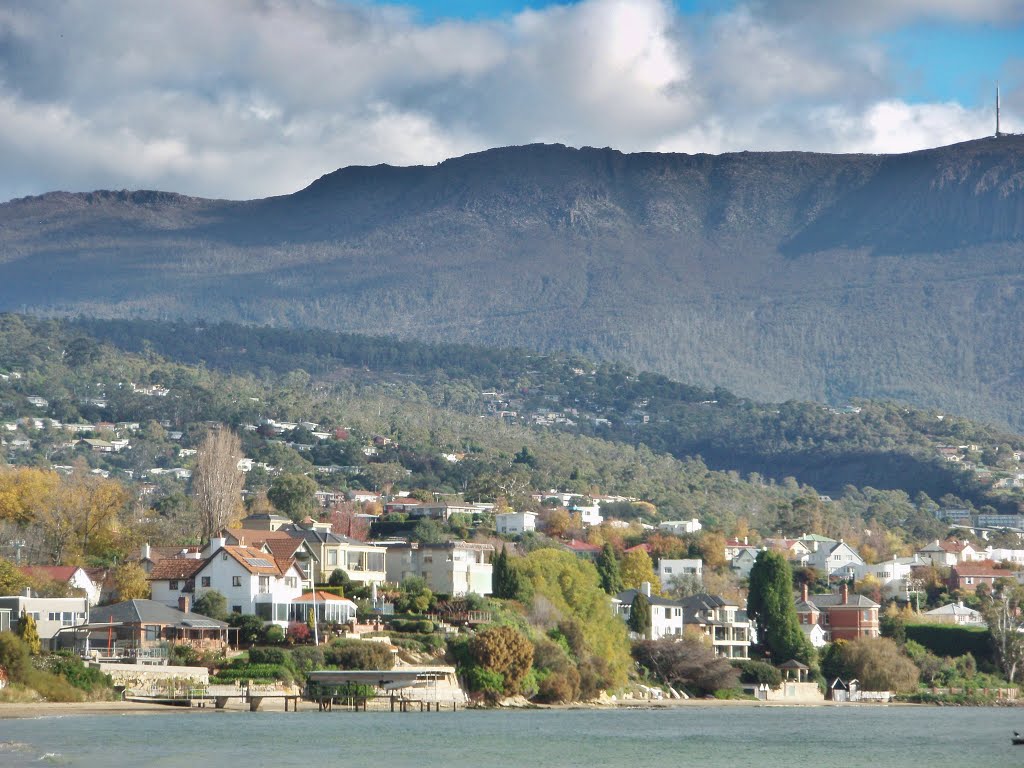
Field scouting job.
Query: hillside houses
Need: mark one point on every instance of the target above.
(724, 623)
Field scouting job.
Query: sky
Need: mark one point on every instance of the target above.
(249, 98)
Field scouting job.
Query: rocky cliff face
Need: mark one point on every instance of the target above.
(775, 274)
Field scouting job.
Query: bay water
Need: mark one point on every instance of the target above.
(709, 737)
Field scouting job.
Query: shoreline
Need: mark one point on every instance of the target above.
(37, 710)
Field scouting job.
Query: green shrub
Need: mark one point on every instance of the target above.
(14, 657)
(487, 682)
(951, 640)
(257, 673)
(184, 656)
(75, 671)
(358, 654)
(758, 672)
(268, 656)
(307, 658)
(273, 634)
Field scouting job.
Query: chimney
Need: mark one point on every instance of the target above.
(846, 593)
(183, 603)
(803, 592)
(645, 588)
(145, 551)
(744, 541)
(215, 544)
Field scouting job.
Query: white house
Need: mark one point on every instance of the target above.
(956, 613)
(54, 615)
(451, 568)
(743, 561)
(673, 569)
(515, 522)
(74, 576)
(839, 558)
(251, 580)
(680, 526)
(891, 574)
(666, 615)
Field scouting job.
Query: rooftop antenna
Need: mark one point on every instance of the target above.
(998, 132)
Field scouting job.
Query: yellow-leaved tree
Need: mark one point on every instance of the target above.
(636, 568)
(571, 590)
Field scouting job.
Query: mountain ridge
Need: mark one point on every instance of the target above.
(788, 274)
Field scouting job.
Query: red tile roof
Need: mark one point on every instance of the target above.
(582, 546)
(174, 568)
(52, 572)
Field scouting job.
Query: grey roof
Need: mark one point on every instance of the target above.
(320, 537)
(152, 612)
(834, 600)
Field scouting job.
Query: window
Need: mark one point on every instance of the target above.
(291, 581)
(668, 613)
(236, 609)
(236, 581)
(332, 557)
(152, 632)
(668, 569)
(172, 585)
(206, 581)
(53, 616)
(264, 585)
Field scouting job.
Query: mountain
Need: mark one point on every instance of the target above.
(778, 275)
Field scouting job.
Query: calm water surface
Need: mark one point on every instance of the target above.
(712, 737)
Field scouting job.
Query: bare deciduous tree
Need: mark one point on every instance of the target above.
(217, 481)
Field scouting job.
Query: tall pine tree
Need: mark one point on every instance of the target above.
(771, 606)
(608, 570)
(506, 581)
(640, 616)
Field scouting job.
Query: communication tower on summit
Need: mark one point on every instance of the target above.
(998, 132)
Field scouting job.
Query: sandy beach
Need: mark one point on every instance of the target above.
(56, 709)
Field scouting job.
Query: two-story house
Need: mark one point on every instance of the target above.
(251, 580)
(450, 568)
(666, 615)
(840, 615)
(723, 622)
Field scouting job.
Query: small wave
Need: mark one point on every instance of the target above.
(54, 758)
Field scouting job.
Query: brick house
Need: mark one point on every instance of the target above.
(840, 615)
(966, 577)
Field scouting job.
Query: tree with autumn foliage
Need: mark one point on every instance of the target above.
(636, 568)
(130, 582)
(503, 651)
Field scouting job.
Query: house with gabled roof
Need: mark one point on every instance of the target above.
(253, 581)
(949, 552)
(967, 577)
(840, 615)
(955, 613)
(836, 557)
(582, 549)
(666, 614)
(723, 622)
(74, 577)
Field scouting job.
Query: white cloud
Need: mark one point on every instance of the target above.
(259, 97)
